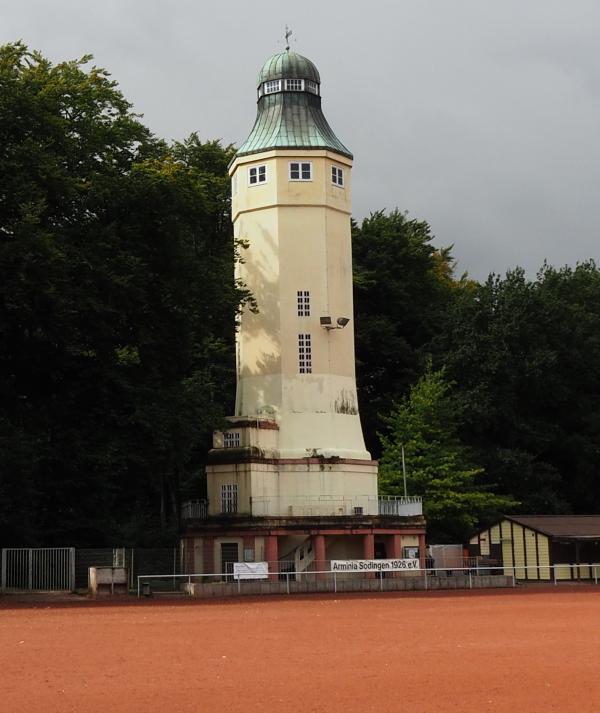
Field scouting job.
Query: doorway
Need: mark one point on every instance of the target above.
(229, 555)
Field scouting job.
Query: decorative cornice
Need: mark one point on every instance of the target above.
(252, 454)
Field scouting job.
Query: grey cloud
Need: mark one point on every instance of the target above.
(480, 117)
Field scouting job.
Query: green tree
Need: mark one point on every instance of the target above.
(439, 467)
(68, 137)
(117, 297)
(525, 355)
(402, 289)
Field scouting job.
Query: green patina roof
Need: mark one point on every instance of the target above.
(290, 119)
(290, 65)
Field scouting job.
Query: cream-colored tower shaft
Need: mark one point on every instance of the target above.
(298, 236)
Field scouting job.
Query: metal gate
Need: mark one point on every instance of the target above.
(50, 569)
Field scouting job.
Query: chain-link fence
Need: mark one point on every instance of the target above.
(136, 560)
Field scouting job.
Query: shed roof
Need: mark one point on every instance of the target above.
(576, 527)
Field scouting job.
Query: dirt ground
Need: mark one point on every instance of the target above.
(523, 652)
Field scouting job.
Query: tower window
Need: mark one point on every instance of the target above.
(257, 174)
(229, 497)
(304, 354)
(337, 176)
(294, 85)
(231, 439)
(303, 303)
(273, 86)
(311, 86)
(300, 171)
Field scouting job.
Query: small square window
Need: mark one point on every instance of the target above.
(311, 86)
(300, 171)
(257, 174)
(337, 176)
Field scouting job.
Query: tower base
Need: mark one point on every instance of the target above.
(298, 544)
(247, 475)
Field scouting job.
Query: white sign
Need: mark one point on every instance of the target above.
(374, 565)
(250, 570)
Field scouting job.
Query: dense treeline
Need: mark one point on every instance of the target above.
(116, 309)
(517, 407)
(117, 305)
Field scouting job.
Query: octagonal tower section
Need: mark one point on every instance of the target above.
(291, 207)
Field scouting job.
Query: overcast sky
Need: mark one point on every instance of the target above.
(480, 117)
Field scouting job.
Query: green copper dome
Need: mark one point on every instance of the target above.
(290, 65)
(289, 112)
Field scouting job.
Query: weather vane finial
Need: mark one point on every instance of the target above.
(288, 34)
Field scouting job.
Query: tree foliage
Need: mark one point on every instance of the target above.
(525, 355)
(438, 466)
(402, 286)
(116, 300)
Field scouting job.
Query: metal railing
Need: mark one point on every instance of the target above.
(318, 580)
(400, 505)
(194, 510)
(317, 505)
(313, 505)
(324, 580)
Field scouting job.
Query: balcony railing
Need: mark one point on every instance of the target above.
(313, 505)
(401, 505)
(194, 510)
(390, 505)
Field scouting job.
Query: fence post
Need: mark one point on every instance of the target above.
(287, 582)
(3, 573)
(425, 577)
(335, 582)
(239, 579)
(554, 574)
(595, 574)
(470, 580)
(174, 568)
(138, 580)
(380, 580)
(72, 569)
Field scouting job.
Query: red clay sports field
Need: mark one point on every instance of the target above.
(531, 651)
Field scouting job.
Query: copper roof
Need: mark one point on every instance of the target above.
(291, 120)
(567, 526)
(288, 64)
(288, 119)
